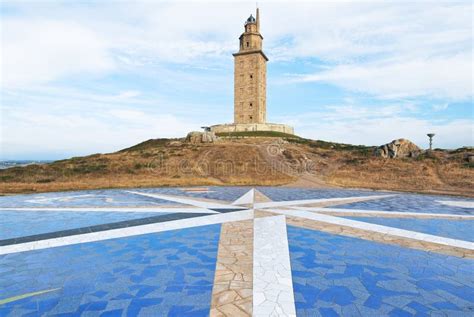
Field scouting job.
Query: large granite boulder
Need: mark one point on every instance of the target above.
(201, 137)
(398, 148)
(470, 157)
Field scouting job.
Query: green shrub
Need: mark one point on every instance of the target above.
(45, 180)
(149, 144)
(270, 134)
(6, 178)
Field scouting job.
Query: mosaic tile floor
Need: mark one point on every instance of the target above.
(36, 222)
(336, 275)
(456, 229)
(132, 275)
(414, 203)
(236, 251)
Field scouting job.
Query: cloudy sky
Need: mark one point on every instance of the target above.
(80, 77)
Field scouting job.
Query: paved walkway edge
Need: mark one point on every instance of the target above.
(232, 290)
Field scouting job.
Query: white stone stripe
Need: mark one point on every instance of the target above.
(115, 209)
(182, 200)
(383, 212)
(273, 204)
(272, 280)
(377, 228)
(456, 203)
(129, 231)
(247, 199)
(39, 200)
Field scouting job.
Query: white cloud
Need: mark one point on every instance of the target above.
(389, 49)
(42, 50)
(128, 94)
(380, 131)
(449, 77)
(85, 132)
(383, 48)
(440, 107)
(375, 126)
(355, 30)
(351, 113)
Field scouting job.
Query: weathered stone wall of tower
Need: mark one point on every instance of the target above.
(250, 75)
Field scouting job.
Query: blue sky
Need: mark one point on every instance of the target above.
(86, 77)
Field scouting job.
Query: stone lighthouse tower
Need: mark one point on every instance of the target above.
(250, 85)
(250, 75)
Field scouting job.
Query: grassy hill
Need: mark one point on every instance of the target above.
(253, 160)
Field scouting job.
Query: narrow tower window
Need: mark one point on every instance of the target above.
(248, 44)
(251, 76)
(251, 105)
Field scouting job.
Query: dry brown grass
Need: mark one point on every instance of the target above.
(245, 162)
(158, 165)
(406, 175)
(120, 182)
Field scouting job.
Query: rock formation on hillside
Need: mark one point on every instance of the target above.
(201, 137)
(470, 157)
(398, 148)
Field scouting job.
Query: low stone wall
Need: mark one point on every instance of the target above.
(251, 127)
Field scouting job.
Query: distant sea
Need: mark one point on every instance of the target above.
(13, 163)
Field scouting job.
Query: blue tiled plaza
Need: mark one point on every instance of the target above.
(160, 252)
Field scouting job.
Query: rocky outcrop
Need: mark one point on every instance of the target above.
(175, 143)
(201, 137)
(398, 148)
(470, 157)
